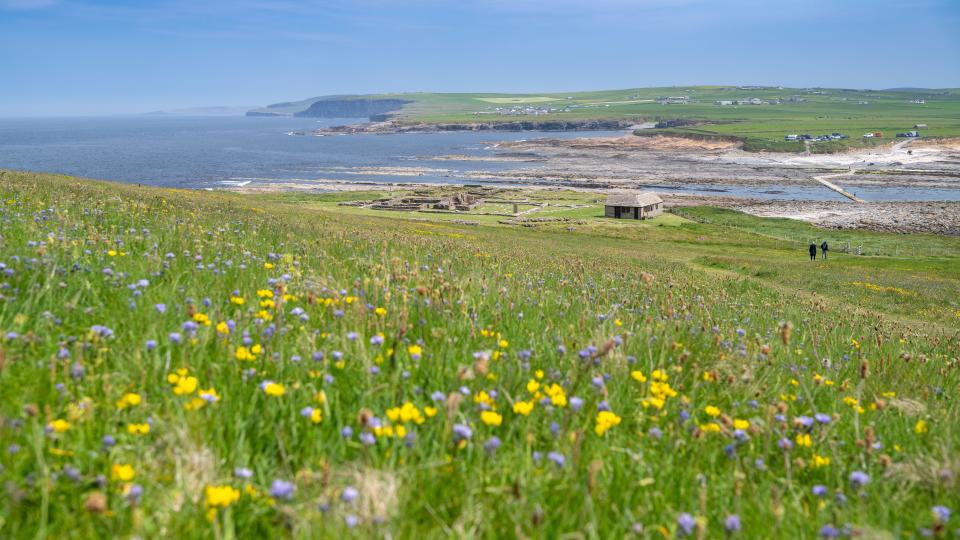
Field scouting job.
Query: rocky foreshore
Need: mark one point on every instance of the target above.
(393, 126)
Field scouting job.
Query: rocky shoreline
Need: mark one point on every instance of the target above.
(394, 126)
(672, 165)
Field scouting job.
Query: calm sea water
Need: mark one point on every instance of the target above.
(202, 152)
(212, 152)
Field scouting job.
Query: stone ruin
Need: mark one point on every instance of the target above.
(458, 201)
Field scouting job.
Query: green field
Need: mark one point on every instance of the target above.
(761, 127)
(180, 364)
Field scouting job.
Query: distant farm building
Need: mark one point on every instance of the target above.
(673, 100)
(919, 126)
(635, 205)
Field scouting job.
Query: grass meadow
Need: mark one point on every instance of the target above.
(209, 365)
(815, 111)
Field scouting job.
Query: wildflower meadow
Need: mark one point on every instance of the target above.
(204, 365)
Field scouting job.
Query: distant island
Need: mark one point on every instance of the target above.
(773, 118)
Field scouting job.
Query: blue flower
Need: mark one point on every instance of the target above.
(461, 432)
(349, 494)
(685, 524)
(941, 513)
(858, 479)
(732, 523)
(281, 489)
(829, 531)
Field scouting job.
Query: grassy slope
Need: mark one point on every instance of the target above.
(441, 284)
(762, 126)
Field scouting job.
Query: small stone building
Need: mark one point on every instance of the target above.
(633, 205)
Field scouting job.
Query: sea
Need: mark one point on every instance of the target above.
(221, 152)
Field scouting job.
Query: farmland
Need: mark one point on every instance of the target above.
(206, 364)
(781, 111)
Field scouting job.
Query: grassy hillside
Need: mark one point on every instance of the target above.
(817, 111)
(199, 364)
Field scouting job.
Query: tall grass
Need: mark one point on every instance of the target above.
(301, 373)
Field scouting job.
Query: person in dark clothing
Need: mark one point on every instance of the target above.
(823, 248)
(813, 252)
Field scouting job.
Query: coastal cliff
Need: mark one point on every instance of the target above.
(374, 109)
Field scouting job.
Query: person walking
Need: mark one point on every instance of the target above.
(813, 251)
(823, 249)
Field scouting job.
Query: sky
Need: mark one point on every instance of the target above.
(92, 57)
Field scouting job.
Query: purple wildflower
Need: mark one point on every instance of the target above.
(858, 479)
(461, 432)
(941, 513)
(349, 494)
(732, 523)
(281, 489)
(686, 524)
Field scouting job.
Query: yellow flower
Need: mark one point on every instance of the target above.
(818, 461)
(491, 418)
(558, 398)
(430, 411)
(256, 349)
(265, 293)
(638, 376)
(221, 496)
(237, 301)
(128, 400)
(274, 389)
(605, 421)
(185, 386)
(483, 398)
(662, 390)
(321, 397)
(741, 424)
(617, 322)
(712, 411)
(504, 344)
(201, 318)
(112, 253)
(268, 266)
(59, 425)
(414, 350)
(711, 427)
(138, 429)
(655, 402)
(122, 472)
(380, 311)
(316, 416)
(244, 354)
(523, 407)
(533, 386)
(660, 375)
(803, 440)
(222, 328)
(920, 427)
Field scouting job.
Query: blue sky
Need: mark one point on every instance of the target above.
(111, 56)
